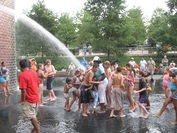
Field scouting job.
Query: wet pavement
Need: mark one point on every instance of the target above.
(53, 119)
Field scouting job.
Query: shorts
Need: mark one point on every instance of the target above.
(85, 96)
(2, 79)
(102, 93)
(143, 99)
(49, 83)
(29, 110)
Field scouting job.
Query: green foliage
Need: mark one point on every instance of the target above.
(85, 27)
(172, 4)
(66, 30)
(136, 30)
(44, 17)
(159, 30)
(109, 23)
(160, 54)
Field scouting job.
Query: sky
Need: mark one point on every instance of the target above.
(72, 6)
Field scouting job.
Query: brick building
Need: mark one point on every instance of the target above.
(7, 42)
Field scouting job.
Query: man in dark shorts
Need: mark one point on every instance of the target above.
(86, 97)
(28, 84)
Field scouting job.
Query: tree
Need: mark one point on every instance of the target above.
(172, 4)
(66, 29)
(136, 30)
(109, 24)
(29, 40)
(44, 17)
(85, 27)
(158, 30)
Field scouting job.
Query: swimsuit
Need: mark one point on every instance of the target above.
(173, 88)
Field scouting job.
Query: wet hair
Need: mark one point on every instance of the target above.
(141, 73)
(147, 74)
(24, 64)
(107, 63)
(129, 65)
(95, 65)
(68, 80)
(77, 71)
(2, 63)
(39, 65)
(113, 63)
(132, 69)
(119, 69)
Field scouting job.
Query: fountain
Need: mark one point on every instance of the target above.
(42, 33)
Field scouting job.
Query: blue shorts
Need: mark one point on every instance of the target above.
(143, 99)
(2, 79)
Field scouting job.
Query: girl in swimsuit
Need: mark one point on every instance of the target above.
(41, 76)
(130, 83)
(166, 83)
(173, 97)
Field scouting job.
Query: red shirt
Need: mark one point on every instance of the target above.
(29, 81)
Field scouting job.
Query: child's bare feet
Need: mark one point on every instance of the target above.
(174, 122)
(157, 116)
(84, 115)
(141, 116)
(112, 116)
(147, 115)
(101, 112)
(122, 115)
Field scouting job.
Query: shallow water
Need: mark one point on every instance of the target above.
(53, 119)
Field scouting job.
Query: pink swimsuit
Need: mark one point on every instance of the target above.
(166, 81)
(130, 83)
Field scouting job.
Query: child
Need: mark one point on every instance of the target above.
(41, 76)
(116, 98)
(76, 82)
(66, 92)
(173, 97)
(143, 97)
(130, 83)
(149, 89)
(166, 82)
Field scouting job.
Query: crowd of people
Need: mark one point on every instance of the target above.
(105, 85)
(98, 88)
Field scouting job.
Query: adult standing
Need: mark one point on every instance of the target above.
(151, 67)
(28, 84)
(107, 67)
(143, 65)
(165, 61)
(132, 62)
(50, 70)
(100, 75)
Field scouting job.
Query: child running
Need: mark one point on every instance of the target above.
(66, 92)
(143, 97)
(173, 97)
(117, 96)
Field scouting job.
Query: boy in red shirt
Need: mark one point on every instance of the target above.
(28, 84)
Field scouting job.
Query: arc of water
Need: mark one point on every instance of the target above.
(33, 24)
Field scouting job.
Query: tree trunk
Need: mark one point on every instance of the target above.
(108, 53)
